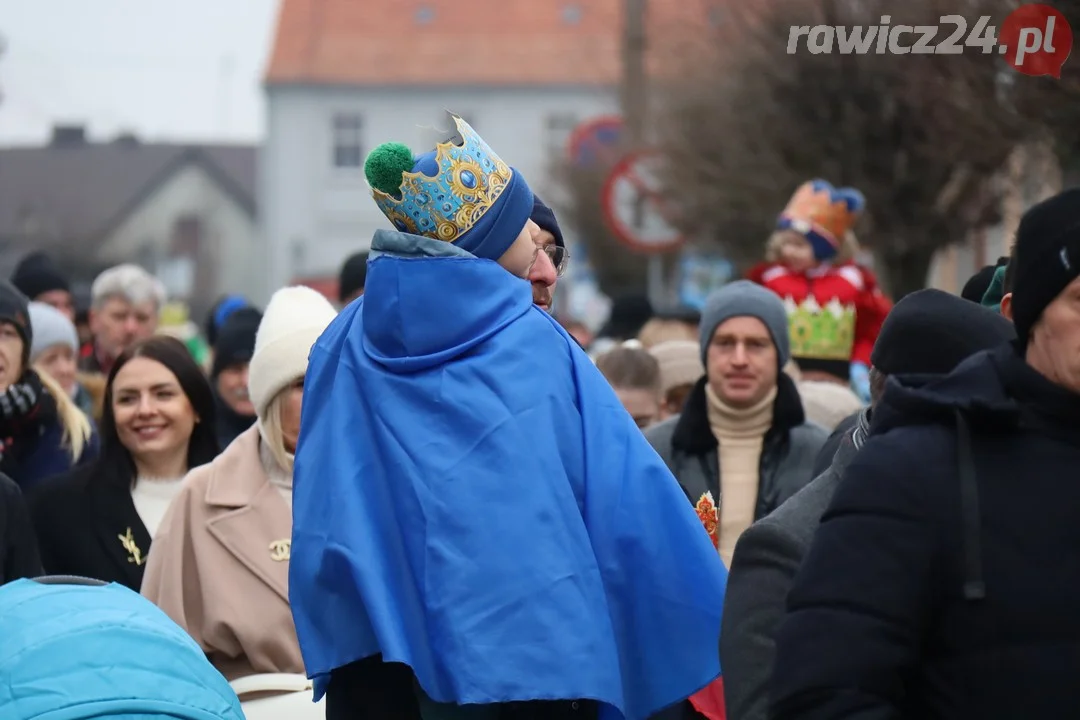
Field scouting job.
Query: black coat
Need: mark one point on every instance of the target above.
(87, 525)
(688, 447)
(374, 690)
(19, 556)
(824, 459)
(944, 580)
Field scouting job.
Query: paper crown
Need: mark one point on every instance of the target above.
(460, 193)
(823, 214)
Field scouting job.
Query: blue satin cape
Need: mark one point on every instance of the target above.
(471, 499)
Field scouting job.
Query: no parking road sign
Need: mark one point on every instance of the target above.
(634, 209)
(596, 140)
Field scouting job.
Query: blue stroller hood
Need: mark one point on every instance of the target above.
(80, 651)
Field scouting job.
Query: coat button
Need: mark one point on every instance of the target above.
(574, 705)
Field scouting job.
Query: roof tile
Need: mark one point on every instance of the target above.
(497, 42)
(74, 194)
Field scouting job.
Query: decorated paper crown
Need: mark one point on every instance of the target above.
(460, 193)
(823, 214)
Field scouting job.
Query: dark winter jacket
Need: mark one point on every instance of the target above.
(767, 558)
(32, 436)
(19, 556)
(824, 459)
(944, 582)
(87, 525)
(48, 457)
(687, 444)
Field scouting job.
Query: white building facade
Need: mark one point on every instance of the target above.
(315, 204)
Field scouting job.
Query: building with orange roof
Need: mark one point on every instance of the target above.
(346, 75)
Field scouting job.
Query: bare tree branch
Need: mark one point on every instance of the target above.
(922, 136)
(618, 270)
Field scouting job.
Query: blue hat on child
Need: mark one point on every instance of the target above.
(459, 193)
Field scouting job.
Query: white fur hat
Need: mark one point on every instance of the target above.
(293, 321)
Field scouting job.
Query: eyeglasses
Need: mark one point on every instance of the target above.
(559, 257)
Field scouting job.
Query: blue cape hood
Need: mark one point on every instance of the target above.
(471, 499)
(71, 652)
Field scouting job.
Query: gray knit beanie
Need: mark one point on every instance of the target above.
(743, 298)
(50, 327)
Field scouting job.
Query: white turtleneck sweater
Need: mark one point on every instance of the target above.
(740, 433)
(279, 477)
(152, 497)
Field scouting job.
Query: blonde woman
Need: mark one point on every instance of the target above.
(220, 561)
(42, 432)
(55, 352)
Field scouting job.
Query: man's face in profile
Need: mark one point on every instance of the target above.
(543, 274)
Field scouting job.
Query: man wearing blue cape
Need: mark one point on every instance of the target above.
(471, 501)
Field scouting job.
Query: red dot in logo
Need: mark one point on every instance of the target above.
(1038, 40)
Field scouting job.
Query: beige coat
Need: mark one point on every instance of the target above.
(219, 566)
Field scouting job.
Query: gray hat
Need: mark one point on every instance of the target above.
(50, 327)
(743, 298)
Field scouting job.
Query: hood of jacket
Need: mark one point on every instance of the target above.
(75, 651)
(976, 388)
(427, 302)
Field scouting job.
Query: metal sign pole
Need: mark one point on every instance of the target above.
(655, 275)
(657, 289)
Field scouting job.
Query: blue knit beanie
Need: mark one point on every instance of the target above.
(544, 216)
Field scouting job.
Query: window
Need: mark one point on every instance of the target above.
(557, 131)
(348, 148)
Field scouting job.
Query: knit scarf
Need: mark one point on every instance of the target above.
(740, 433)
(25, 408)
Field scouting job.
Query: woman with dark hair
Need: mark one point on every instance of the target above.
(157, 423)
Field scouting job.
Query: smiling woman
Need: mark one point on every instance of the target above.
(158, 423)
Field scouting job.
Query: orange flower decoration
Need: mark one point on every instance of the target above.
(706, 511)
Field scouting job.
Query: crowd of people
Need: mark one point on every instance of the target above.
(437, 500)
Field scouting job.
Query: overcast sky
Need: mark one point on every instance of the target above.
(165, 69)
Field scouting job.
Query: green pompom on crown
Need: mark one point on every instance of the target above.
(385, 165)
